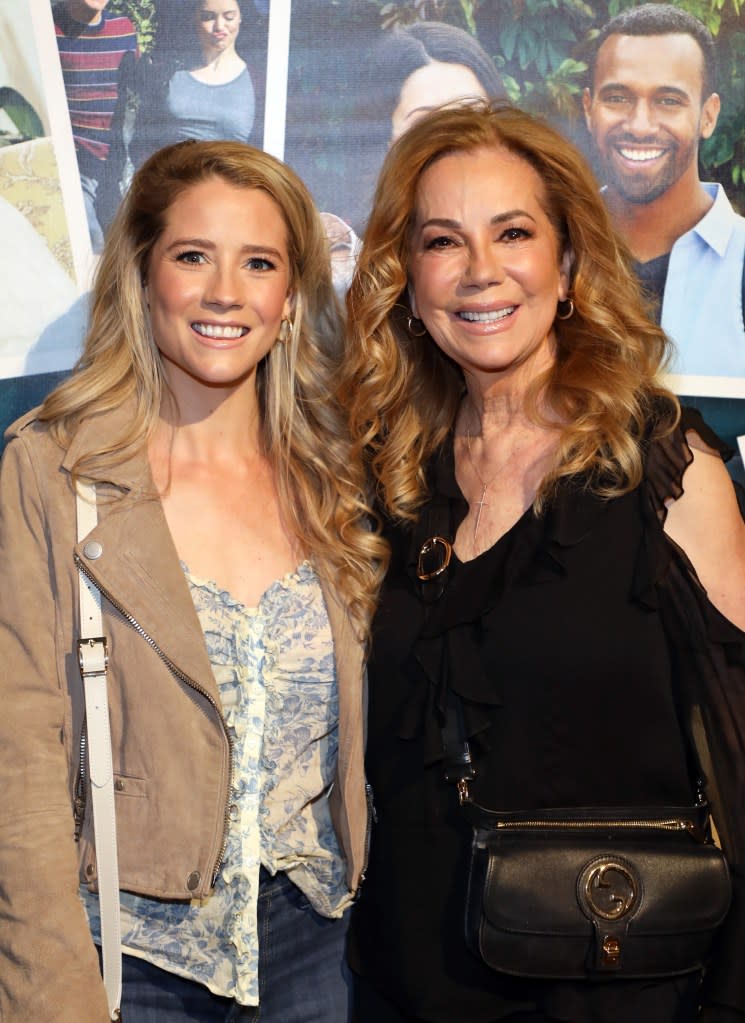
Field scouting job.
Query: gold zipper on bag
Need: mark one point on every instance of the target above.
(492, 822)
(670, 824)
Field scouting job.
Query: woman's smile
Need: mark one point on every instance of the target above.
(486, 270)
(488, 317)
(220, 332)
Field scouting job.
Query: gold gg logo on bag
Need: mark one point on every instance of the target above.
(608, 887)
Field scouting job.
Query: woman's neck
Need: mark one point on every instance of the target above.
(219, 66)
(496, 402)
(499, 412)
(210, 426)
(502, 454)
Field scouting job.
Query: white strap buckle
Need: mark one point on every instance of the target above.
(93, 656)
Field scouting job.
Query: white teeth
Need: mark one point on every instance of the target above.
(217, 332)
(490, 317)
(640, 155)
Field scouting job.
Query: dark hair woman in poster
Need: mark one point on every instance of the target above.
(425, 65)
(197, 85)
(568, 563)
(411, 70)
(238, 575)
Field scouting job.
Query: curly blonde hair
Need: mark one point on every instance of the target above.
(403, 393)
(304, 431)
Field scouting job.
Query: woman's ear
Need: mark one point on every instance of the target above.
(565, 272)
(412, 300)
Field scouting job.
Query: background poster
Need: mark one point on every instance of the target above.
(42, 261)
(326, 94)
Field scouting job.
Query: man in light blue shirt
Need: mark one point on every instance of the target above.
(650, 103)
(702, 307)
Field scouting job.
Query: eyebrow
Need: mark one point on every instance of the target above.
(621, 87)
(498, 218)
(205, 243)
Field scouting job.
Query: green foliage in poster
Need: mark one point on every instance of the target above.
(18, 119)
(541, 48)
(142, 15)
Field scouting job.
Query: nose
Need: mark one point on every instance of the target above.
(641, 118)
(223, 288)
(484, 266)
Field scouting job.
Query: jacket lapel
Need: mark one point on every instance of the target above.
(135, 563)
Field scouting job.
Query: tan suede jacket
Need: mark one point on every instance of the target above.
(172, 754)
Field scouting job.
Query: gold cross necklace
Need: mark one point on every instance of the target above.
(484, 486)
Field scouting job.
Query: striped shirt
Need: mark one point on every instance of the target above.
(90, 56)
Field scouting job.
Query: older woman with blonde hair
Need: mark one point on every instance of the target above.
(237, 575)
(565, 599)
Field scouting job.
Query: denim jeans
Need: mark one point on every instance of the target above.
(303, 976)
(90, 189)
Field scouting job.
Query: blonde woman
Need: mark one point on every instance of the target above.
(568, 567)
(238, 575)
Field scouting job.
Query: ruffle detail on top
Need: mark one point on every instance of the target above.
(448, 649)
(667, 460)
(534, 550)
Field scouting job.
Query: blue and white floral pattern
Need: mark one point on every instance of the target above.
(274, 665)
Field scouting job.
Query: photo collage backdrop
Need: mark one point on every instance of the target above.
(327, 85)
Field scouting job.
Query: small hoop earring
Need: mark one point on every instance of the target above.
(568, 309)
(409, 326)
(285, 331)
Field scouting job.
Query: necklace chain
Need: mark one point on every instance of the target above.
(484, 486)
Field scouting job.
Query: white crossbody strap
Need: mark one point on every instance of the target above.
(93, 662)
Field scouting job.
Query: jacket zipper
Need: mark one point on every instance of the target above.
(80, 797)
(187, 681)
(372, 818)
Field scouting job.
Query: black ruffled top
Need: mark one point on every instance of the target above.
(567, 670)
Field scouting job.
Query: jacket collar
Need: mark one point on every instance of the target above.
(136, 567)
(136, 564)
(139, 568)
(133, 472)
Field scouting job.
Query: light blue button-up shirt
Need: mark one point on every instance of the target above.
(702, 305)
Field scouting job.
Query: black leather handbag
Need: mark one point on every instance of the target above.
(579, 893)
(583, 893)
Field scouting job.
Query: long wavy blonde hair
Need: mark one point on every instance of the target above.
(403, 393)
(304, 431)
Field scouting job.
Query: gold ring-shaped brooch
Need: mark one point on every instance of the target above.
(434, 558)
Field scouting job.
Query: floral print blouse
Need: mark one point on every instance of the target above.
(274, 665)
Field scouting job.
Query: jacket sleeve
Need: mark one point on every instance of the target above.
(48, 963)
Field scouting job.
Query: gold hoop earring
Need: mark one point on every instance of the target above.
(409, 326)
(285, 330)
(568, 309)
